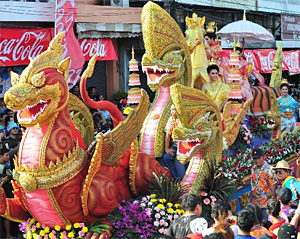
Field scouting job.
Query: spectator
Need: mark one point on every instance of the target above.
(3, 108)
(6, 176)
(245, 221)
(219, 215)
(283, 173)
(92, 93)
(214, 236)
(266, 224)
(287, 231)
(263, 183)
(75, 90)
(258, 230)
(180, 227)
(284, 196)
(273, 209)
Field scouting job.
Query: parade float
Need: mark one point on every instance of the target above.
(68, 184)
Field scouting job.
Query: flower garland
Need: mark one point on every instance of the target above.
(239, 165)
(144, 219)
(32, 229)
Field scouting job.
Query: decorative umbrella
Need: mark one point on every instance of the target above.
(249, 31)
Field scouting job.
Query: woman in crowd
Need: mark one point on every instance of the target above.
(287, 106)
(215, 88)
(273, 209)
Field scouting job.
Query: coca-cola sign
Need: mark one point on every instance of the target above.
(266, 59)
(17, 46)
(103, 47)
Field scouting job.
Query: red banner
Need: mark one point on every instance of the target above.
(18, 45)
(263, 60)
(65, 18)
(103, 47)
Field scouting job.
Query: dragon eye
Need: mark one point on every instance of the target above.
(38, 79)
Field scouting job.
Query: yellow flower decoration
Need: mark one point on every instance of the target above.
(71, 234)
(170, 210)
(42, 233)
(178, 211)
(57, 227)
(68, 227)
(47, 229)
(153, 200)
(76, 225)
(153, 196)
(160, 206)
(177, 205)
(85, 229)
(33, 229)
(28, 236)
(51, 235)
(35, 236)
(169, 204)
(32, 220)
(62, 235)
(38, 225)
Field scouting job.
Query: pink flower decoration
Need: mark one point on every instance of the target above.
(176, 216)
(203, 194)
(162, 222)
(81, 224)
(157, 215)
(212, 204)
(163, 213)
(54, 237)
(156, 223)
(246, 138)
(161, 231)
(213, 198)
(248, 141)
(206, 201)
(170, 217)
(53, 232)
(81, 233)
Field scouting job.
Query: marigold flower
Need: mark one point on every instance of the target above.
(153, 200)
(47, 229)
(169, 204)
(32, 220)
(35, 236)
(57, 227)
(160, 206)
(71, 234)
(38, 225)
(68, 227)
(51, 235)
(170, 210)
(177, 205)
(178, 211)
(153, 196)
(85, 229)
(61, 235)
(28, 236)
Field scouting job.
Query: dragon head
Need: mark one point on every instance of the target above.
(199, 121)
(41, 90)
(167, 59)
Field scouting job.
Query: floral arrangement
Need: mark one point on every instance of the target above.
(243, 140)
(258, 126)
(239, 165)
(32, 229)
(144, 219)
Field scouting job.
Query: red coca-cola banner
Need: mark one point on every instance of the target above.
(103, 47)
(18, 45)
(263, 59)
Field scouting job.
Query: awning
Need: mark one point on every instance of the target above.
(108, 30)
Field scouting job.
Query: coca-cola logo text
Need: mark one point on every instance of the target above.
(29, 45)
(90, 48)
(266, 61)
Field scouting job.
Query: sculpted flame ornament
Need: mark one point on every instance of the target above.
(59, 183)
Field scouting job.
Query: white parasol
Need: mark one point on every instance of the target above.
(249, 31)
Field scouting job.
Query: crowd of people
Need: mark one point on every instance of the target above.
(248, 224)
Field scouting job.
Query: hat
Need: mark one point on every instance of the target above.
(265, 236)
(284, 194)
(127, 110)
(287, 231)
(12, 125)
(257, 153)
(282, 165)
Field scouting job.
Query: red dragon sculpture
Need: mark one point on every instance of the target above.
(57, 183)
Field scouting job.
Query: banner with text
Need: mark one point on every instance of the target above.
(103, 47)
(17, 46)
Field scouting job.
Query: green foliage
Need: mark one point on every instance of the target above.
(99, 226)
(119, 95)
(169, 189)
